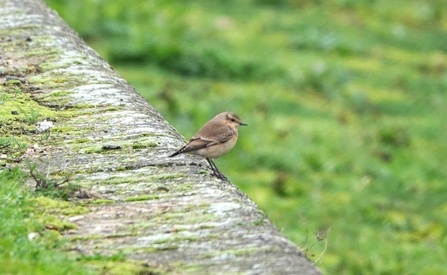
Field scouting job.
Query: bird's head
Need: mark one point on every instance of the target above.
(232, 120)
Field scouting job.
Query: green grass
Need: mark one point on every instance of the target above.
(20, 254)
(345, 102)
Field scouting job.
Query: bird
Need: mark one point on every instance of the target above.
(216, 138)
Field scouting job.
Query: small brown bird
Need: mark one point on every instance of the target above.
(214, 139)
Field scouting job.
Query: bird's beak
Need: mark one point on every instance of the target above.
(243, 124)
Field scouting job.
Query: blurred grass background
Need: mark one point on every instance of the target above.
(345, 101)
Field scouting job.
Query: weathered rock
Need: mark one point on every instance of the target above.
(169, 214)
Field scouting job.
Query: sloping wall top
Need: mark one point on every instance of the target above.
(168, 214)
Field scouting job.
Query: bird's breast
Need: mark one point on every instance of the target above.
(216, 151)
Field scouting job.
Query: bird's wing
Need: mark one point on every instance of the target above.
(214, 133)
(222, 138)
(193, 145)
(210, 134)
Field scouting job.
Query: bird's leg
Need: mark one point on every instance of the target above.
(216, 171)
(219, 174)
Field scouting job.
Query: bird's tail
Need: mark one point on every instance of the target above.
(178, 152)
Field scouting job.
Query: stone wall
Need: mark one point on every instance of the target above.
(167, 214)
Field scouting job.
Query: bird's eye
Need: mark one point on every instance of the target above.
(232, 119)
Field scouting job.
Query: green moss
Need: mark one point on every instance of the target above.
(83, 106)
(157, 249)
(119, 256)
(93, 150)
(26, 108)
(112, 109)
(85, 238)
(52, 221)
(182, 218)
(166, 176)
(120, 180)
(13, 82)
(19, 113)
(52, 66)
(127, 267)
(125, 146)
(138, 146)
(122, 235)
(142, 198)
(60, 80)
(60, 93)
(102, 201)
(185, 187)
(236, 252)
(54, 100)
(82, 140)
(48, 205)
(204, 226)
(176, 239)
(63, 129)
(49, 53)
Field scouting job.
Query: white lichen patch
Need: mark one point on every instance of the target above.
(223, 208)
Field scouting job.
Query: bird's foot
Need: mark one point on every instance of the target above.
(220, 176)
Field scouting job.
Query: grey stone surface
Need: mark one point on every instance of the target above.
(169, 214)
